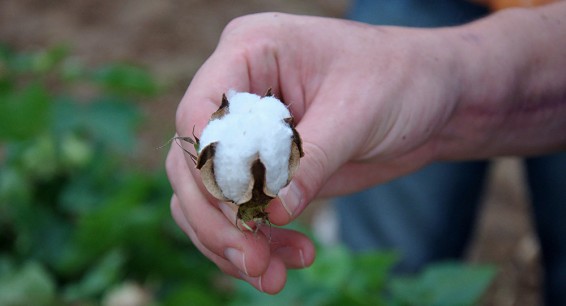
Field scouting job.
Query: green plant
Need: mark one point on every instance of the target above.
(446, 283)
(341, 277)
(77, 217)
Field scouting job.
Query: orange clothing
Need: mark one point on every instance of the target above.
(503, 4)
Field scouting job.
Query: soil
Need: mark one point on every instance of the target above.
(173, 38)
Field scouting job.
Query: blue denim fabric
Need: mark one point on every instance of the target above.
(415, 13)
(546, 176)
(428, 216)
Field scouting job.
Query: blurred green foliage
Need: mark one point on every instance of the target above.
(340, 277)
(79, 221)
(77, 216)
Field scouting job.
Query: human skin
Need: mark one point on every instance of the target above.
(371, 104)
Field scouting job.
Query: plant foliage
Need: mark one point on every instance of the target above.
(77, 218)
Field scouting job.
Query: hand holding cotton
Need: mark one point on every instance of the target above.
(248, 152)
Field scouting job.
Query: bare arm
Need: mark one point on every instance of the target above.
(513, 82)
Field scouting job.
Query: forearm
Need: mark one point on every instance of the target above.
(512, 70)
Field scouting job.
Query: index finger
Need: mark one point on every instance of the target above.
(211, 227)
(245, 60)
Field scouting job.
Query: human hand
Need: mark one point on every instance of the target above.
(366, 102)
(372, 103)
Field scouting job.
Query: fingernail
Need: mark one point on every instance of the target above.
(291, 198)
(260, 283)
(237, 258)
(289, 255)
(253, 280)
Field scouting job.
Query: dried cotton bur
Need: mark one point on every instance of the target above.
(247, 153)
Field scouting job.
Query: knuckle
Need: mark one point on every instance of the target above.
(235, 24)
(251, 31)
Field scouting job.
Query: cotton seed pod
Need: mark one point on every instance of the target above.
(248, 152)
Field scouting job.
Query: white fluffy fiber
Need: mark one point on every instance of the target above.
(254, 126)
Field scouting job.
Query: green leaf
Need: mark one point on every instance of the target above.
(111, 121)
(371, 272)
(5, 52)
(191, 294)
(29, 285)
(80, 196)
(444, 284)
(39, 159)
(24, 113)
(332, 268)
(14, 189)
(46, 61)
(75, 151)
(46, 238)
(125, 79)
(338, 277)
(35, 63)
(100, 278)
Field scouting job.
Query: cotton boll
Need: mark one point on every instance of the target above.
(243, 103)
(277, 144)
(248, 152)
(273, 107)
(253, 127)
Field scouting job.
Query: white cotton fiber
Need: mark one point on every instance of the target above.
(252, 127)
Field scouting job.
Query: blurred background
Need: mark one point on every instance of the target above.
(89, 89)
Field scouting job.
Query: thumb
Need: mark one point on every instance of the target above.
(323, 156)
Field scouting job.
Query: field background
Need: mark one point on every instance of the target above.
(173, 38)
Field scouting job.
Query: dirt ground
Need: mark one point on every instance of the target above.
(172, 38)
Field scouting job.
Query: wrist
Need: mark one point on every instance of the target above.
(484, 81)
(511, 87)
